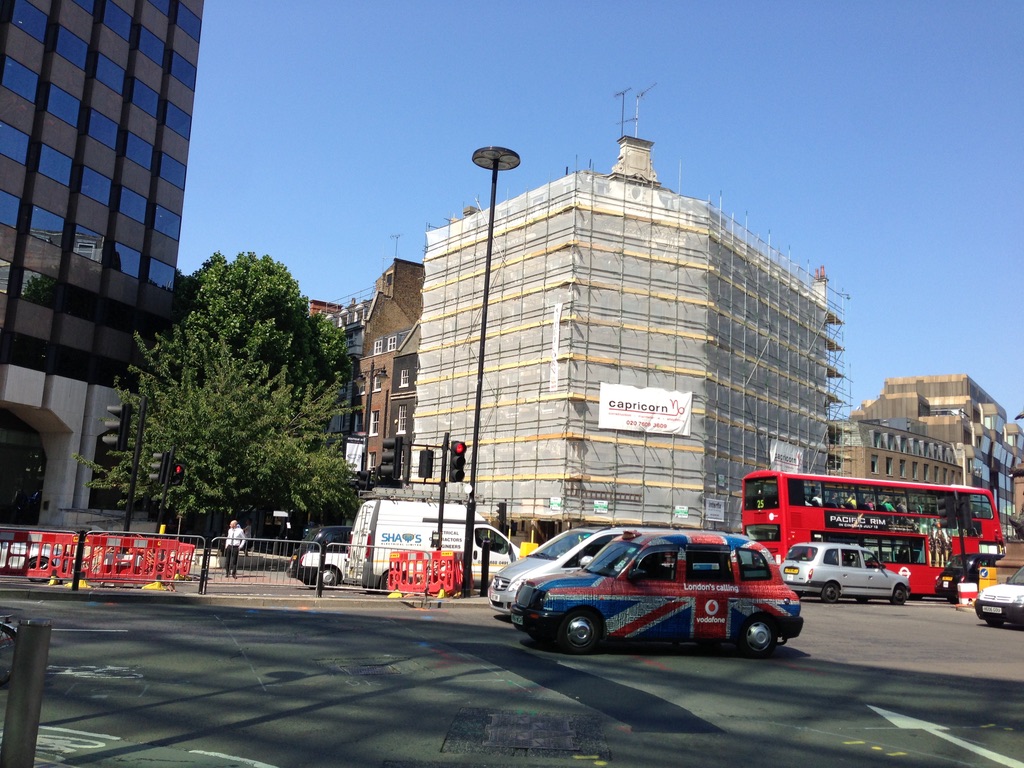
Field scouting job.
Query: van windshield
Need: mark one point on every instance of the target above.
(611, 560)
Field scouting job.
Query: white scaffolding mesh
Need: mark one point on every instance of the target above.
(598, 279)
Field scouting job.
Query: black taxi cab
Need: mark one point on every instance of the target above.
(694, 586)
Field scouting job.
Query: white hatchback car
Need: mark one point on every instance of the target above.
(832, 571)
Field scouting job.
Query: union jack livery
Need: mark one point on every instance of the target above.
(696, 586)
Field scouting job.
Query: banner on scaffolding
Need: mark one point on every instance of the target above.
(786, 457)
(649, 409)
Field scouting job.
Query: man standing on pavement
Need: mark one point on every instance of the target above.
(234, 544)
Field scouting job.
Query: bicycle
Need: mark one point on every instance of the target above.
(8, 634)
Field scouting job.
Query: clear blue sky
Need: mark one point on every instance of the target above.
(883, 140)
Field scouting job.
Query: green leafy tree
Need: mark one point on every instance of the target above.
(243, 386)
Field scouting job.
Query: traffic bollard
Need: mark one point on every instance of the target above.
(25, 699)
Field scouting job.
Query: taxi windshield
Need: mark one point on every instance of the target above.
(613, 558)
(558, 546)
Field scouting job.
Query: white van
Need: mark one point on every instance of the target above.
(383, 526)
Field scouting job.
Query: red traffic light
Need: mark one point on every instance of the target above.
(458, 447)
(457, 461)
(177, 473)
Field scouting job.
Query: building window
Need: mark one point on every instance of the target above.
(903, 468)
(95, 185)
(403, 380)
(403, 419)
(13, 143)
(145, 98)
(29, 19)
(183, 71)
(108, 73)
(62, 104)
(161, 275)
(117, 20)
(138, 150)
(102, 128)
(374, 422)
(126, 260)
(913, 471)
(392, 343)
(72, 47)
(167, 222)
(376, 383)
(56, 165)
(925, 478)
(20, 79)
(151, 46)
(172, 170)
(874, 464)
(188, 22)
(378, 346)
(132, 204)
(47, 226)
(9, 209)
(178, 120)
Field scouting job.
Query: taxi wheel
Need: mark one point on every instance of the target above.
(579, 632)
(830, 592)
(758, 638)
(331, 577)
(899, 595)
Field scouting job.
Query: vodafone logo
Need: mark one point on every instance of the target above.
(711, 607)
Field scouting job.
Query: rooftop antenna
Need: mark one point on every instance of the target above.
(636, 119)
(395, 238)
(622, 120)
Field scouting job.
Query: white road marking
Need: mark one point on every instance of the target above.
(912, 723)
(253, 763)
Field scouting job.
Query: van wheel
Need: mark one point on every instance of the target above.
(758, 638)
(579, 632)
(830, 592)
(332, 577)
(899, 595)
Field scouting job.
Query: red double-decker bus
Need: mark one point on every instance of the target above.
(905, 524)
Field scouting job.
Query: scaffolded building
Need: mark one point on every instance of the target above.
(643, 352)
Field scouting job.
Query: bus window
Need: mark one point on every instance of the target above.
(980, 508)
(763, 532)
(805, 493)
(866, 499)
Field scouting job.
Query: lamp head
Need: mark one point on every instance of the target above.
(496, 158)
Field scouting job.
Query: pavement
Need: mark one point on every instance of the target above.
(54, 745)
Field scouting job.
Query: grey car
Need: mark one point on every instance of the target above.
(832, 571)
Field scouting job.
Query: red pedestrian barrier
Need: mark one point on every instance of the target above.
(30, 553)
(425, 572)
(106, 557)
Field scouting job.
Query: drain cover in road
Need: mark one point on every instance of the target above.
(529, 734)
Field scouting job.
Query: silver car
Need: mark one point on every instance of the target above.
(567, 551)
(832, 571)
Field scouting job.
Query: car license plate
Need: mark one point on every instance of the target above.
(946, 580)
(791, 570)
(517, 619)
(991, 609)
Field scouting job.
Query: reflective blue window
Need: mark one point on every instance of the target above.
(177, 120)
(161, 275)
(87, 4)
(47, 226)
(117, 20)
(72, 47)
(151, 46)
(164, 6)
(183, 70)
(63, 105)
(20, 79)
(54, 164)
(13, 143)
(88, 243)
(29, 19)
(188, 21)
(133, 205)
(172, 170)
(145, 97)
(138, 150)
(125, 259)
(8, 209)
(103, 129)
(108, 73)
(167, 222)
(97, 186)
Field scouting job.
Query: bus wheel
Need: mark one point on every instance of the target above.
(758, 638)
(830, 592)
(899, 595)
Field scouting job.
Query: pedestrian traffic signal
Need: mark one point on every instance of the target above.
(392, 453)
(160, 467)
(177, 473)
(456, 461)
(121, 425)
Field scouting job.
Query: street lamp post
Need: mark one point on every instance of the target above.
(494, 159)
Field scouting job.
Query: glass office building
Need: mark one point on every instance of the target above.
(95, 115)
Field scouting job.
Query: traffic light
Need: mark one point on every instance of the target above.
(177, 473)
(947, 510)
(160, 466)
(965, 516)
(502, 516)
(392, 453)
(426, 468)
(122, 423)
(456, 461)
(364, 480)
